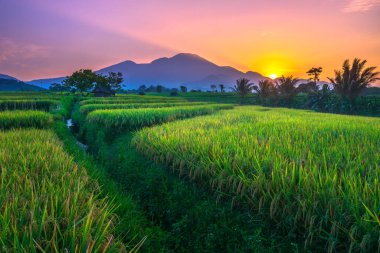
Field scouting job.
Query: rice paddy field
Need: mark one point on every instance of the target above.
(176, 174)
(314, 173)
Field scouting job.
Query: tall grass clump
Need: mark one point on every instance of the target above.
(123, 100)
(19, 119)
(131, 119)
(47, 203)
(85, 109)
(315, 176)
(29, 104)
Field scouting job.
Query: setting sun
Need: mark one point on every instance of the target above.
(272, 76)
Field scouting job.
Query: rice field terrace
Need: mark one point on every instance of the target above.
(131, 119)
(181, 174)
(85, 109)
(47, 202)
(19, 119)
(313, 174)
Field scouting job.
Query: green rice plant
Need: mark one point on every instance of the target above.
(85, 109)
(29, 104)
(48, 203)
(125, 100)
(19, 119)
(131, 119)
(313, 175)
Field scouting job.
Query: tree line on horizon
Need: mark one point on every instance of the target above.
(347, 85)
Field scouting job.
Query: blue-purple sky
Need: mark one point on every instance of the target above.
(47, 38)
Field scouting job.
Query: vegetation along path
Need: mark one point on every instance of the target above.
(185, 216)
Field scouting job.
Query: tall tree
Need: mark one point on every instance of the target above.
(221, 86)
(183, 88)
(287, 88)
(314, 73)
(142, 88)
(265, 89)
(81, 80)
(213, 88)
(115, 80)
(352, 79)
(159, 88)
(243, 87)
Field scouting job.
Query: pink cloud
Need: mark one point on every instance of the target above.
(361, 5)
(11, 50)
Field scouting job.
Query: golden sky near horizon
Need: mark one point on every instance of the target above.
(43, 38)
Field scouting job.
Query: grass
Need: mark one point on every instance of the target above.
(316, 176)
(132, 227)
(131, 119)
(124, 100)
(47, 203)
(85, 109)
(189, 216)
(19, 119)
(28, 104)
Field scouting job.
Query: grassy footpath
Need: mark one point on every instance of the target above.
(188, 213)
(131, 226)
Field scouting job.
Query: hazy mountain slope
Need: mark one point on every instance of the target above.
(2, 76)
(15, 85)
(182, 69)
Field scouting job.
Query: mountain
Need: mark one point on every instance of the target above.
(8, 84)
(45, 83)
(190, 70)
(2, 76)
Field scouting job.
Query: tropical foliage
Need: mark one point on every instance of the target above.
(352, 79)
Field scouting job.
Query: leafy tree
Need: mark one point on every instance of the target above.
(151, 89)
(142, 88)
(174, 92)
(102, 82)
(82, 80)
(213, 88)
(115, 80)
(321, 100)
(159, 88)
(353, 79)
(243, 87)
(287, 88)
(221, 86)
(315, 73)
(58, 87)
(183, 88)
(308, 87)
(265, 90)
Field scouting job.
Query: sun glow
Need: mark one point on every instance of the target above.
(272, 76)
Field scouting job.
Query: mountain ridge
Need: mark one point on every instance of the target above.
(187, 69)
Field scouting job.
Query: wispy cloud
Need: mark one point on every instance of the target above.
(361, 5)
(10, 50)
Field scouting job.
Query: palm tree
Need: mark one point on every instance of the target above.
(221, 86)
(265, 89)
(351, 80)
(287, 88)
(243, 87)
(315, 73)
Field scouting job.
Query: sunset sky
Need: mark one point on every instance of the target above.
(45, 38)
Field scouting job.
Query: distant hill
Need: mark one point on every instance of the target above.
(7, 84)
(2, 76)
(190, 70)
